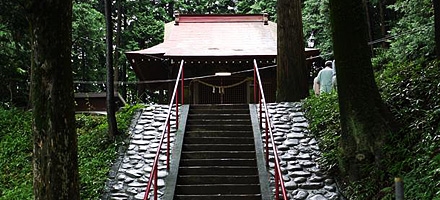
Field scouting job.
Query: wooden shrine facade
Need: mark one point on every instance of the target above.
(210, 44)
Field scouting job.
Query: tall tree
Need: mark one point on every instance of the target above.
(111, 107)
(55, 159)
(292, 79)
(437, 26)
(364, 122)
(118, 41)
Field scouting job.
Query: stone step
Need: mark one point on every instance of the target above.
(219, 162)
(218, 147)
(218, 106)
(218, 111)
(218, 170)
(216, 189)
(219, 197)
(222, 127)
(218, 121)
(215, 179)
(218, 116)
(217, 154)
(218, 133)
(218, 140)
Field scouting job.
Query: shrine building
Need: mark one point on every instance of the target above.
(218, 53)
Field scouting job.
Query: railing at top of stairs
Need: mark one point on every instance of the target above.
(269, 133)
(166, 131)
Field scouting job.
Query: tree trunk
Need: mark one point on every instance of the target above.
(364, 118)
(111, 107)
(118, 42)
(437, 26)
(292, 74)
(382, 22)
(367, 13)
(55, 157)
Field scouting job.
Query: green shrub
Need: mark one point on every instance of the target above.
(411, 91)
(323, 115)
(15, 154)
(96, 153)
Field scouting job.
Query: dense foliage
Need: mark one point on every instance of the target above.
(409, 82)
(96, 152)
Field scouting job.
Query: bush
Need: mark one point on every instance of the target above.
(323, 115)
(411, 91)
(15, 154)
(96, 153)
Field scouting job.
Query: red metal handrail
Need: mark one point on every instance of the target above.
(153, 173)
(268, 129)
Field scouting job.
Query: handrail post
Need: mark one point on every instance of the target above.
(255, 85)
(181, 88)
(155, 182)
(177, 111)
(168, 146)
(261, 110)
(277, 187)
(267, 143)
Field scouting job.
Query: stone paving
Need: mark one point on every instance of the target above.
(298, 151)
(130, 177)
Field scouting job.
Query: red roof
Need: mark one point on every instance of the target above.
(217, 35)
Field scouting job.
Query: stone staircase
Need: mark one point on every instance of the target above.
(218, 159)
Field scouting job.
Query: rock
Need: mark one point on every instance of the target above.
(132, 191)
(143, 148)
(301, 195)
(312, 142)
(330, 188)
(301, 125)
(316, 179)
(294, 168)
(156, 124)
(291, 185)
(140, 196)
(126, 166)
(135, 157)
(149, 156)
(293, 152)
(128, 180)
(295, 174)
(139, 142)
(302, 156)
(117, 187)
(139, 165)
(137, 184)
(287, 157)
(139, 127)
(307, 164)
(162, 174)
(282, 147)
(282, 126)
(133, 173)
(291, 142)
(333, 197)
(328, 181)
(305, 141)
(299, 118)
(131, 147)
(311, 186)
(123, 195)
(317, 197)
(300, 180)
(121, 177)
(295, 135)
